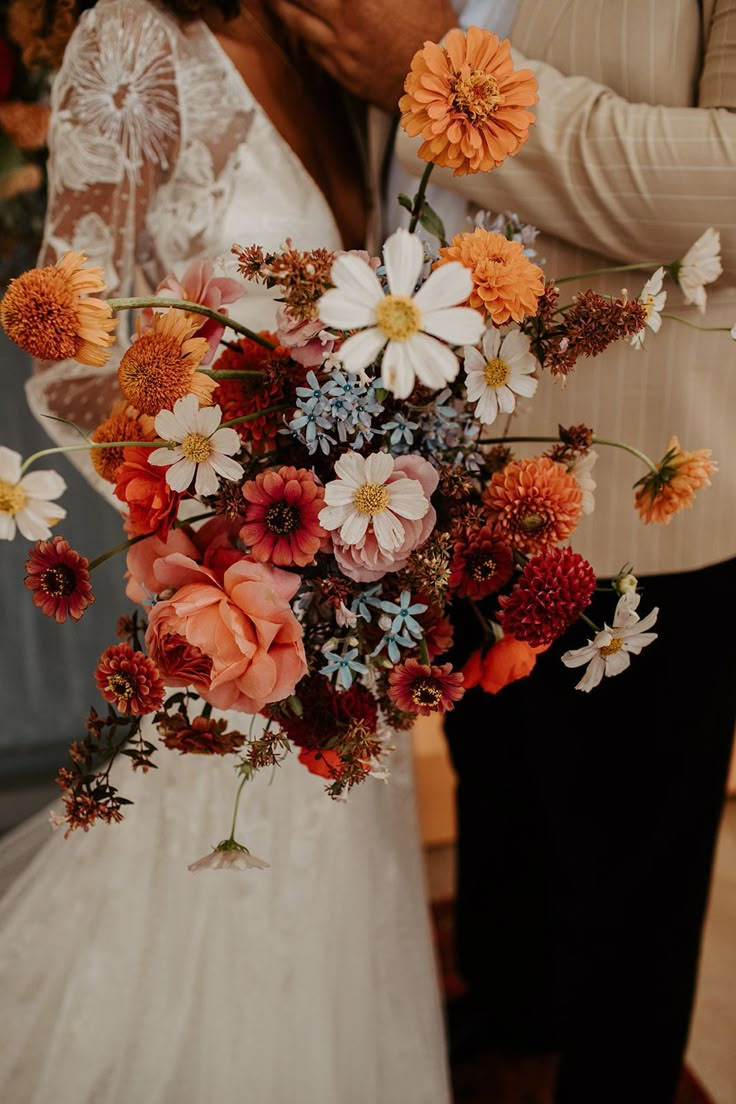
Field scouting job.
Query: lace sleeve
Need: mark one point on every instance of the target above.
(113, 143)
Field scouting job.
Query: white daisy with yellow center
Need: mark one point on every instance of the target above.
(609, 653)
(198, 448)
(27, 502)
(416, 328)
(497, 375)
(364, 494)
(652, 299)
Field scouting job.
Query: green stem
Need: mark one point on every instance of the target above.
(193, 308)
(594, 441)
(695, 326)
(419, 197)
(614, 268)
(141, 536)
(591, 624)
(229, 373)
(87, 448)
(235, 810)
(252, 417)
(424, 652)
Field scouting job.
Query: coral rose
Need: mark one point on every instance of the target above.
(142, 585)
(244, 624)
(152, 505)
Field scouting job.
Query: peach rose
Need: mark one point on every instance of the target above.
(142, 585)
(244, 624)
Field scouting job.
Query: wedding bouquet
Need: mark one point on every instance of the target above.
(304, 506)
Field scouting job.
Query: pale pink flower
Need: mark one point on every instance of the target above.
(308, 342)
(229, 855)
(199, 284)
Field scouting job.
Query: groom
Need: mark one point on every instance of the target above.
(587, 824)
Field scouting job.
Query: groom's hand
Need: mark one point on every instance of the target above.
(367, 45)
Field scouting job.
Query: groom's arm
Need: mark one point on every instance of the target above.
(367, 45)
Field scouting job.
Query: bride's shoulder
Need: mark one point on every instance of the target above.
(114, 27)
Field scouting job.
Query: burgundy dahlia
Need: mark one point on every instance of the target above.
(481, 563)
(421, 688)
(59, 579)
(553, 590)
(130, 680)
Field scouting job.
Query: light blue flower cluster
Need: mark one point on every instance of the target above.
(402, 630)
(344, 667)
(445, 429)
(341, 405)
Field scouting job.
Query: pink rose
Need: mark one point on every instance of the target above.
(244, 625)
(302, 339)
(142, 584)
(200, 285)
(366, 561)
(217, 545)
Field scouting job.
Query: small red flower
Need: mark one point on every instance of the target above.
(59, 579)
(323, 762)
(130, 680)
(481, 563)
(152, 505)
(420, 688)
(552, 592)
(200, 736)
(505, 661)
(282, 517)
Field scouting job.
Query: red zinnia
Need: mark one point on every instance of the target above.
(152, 505)
(200, 736)
(59, 579)
(282, 517)
(420, 688)
(251, 394)
(481, 563)
(129, 680)
(552, 592)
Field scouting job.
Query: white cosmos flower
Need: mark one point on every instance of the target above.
(201, 447)
(27, 503)
(503, 371)
(582, 469)
(608, 654)
(364, 493)
(700, 265)
(407, 324)
(229, 855)
(652, 298)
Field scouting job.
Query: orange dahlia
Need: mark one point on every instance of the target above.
(123, 424)
(468, 102)
(506, 285)
(52, 313)
(536, 503)
(672, 487)
(161, 364)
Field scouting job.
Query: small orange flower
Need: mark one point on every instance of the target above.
(161, 364)
(506, 285)
(672, 487)
(468, 102)
(123, 424)
(51, 312)
(536, 503)
(505, 661)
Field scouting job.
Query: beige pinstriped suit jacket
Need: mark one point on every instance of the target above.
(632, 156)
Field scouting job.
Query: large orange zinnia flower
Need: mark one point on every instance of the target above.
(161, 364)
(468, 102)
(52, 313)
(506, 285)
(662, 494)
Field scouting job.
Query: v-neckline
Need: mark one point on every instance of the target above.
(254, 102)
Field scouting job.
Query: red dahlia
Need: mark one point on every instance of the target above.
(420, 688)
(481, 563)
(552, 592)
(59, 579)
(327, 714)
(282, 517)
(130, 680)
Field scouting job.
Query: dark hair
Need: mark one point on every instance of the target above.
(186, 9)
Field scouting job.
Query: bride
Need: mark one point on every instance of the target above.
(175, 133)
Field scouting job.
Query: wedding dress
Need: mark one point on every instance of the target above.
(125, 978)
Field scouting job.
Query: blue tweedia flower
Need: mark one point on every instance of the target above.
(343, 667)
(403, 615)
(363, 602)
(402, 432)
(342, 404)
(391, 641)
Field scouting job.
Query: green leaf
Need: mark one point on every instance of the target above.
(432, 223)
(405, 201)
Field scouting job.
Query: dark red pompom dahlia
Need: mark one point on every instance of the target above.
(58, 578)
(552, 592)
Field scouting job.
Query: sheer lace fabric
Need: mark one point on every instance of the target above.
(129, 978)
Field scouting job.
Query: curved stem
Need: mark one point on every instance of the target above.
(551, 440)
(419, 197)
(141, 536)
(87, 448)
(193, 308)
(243, 780)
(694, 325)
(614, 268)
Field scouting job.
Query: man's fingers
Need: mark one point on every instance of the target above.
(321, 9)
(312, 28)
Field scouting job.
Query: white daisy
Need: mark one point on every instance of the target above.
(652, 298)
(365, 493)
(582, 469)
(27, 503)
(229, 855)
(700, 265)
(503, 371)
(407, 324)
(201, 448)
(608, 654)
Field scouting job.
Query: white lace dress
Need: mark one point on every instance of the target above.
(125, 979)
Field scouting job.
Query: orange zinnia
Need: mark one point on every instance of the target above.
(506, 285)
(49, 313)
(468, 102)
(125, 423)
(161, 364)
(672, 487)
(536, 503)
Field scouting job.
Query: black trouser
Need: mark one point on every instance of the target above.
(587, 825)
